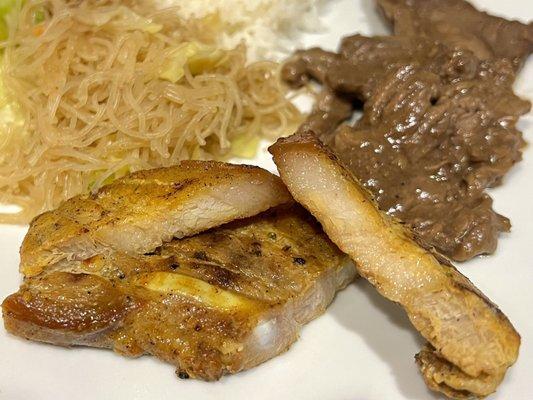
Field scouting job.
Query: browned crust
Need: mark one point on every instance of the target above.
(310, 141)
(458, 286)
(441, 376)
(132, 201)
(278, 263)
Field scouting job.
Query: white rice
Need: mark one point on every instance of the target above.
(270, 28)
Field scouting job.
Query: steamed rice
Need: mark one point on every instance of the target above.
(271, 29)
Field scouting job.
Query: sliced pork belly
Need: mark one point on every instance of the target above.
(215, 303)
(139, 212)
(471, 342)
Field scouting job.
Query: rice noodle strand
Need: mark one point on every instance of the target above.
(86, 84)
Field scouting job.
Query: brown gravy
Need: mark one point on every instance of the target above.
(439, 115)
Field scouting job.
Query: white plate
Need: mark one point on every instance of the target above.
(362, 348)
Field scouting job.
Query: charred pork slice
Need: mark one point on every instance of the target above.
(139, 212)
(471, 342)
(216, 303)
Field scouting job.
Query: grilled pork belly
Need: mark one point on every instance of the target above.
(139, 212)
(215, 303)
(471, 342)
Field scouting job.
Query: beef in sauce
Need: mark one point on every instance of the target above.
(439, 115)
(458, 24)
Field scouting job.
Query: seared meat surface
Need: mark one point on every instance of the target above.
(139, 212)
(471, 342)
(439, 115)
(215, 303)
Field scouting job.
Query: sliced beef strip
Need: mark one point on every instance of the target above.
(327, 113)
(438, 127)
(459, 25)
(305, 64)
(361, 62)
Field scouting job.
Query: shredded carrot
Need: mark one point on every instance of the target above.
(38, 30)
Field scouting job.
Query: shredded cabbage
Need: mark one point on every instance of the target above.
(105, 89)
(6, 6)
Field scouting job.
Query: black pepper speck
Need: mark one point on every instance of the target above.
(298, 260)
(200, 255)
